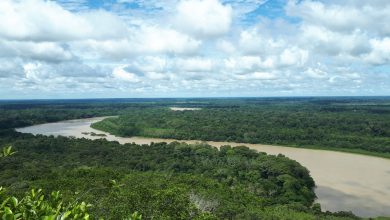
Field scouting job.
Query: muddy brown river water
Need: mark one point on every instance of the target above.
(345, 181)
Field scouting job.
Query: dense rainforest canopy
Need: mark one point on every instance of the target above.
(177, 180)
(340, 125)
(163, 181)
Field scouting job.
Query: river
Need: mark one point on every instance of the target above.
(345, 181)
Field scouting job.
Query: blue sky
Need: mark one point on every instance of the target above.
(193, 48)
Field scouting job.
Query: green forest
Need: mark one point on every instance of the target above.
(47, 177)
(359, 127)
(162, 181)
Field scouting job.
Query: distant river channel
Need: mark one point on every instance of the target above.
(345, 181)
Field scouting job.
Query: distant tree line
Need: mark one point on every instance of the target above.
(345, 127)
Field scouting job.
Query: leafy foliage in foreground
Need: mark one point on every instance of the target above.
(162, 181)
(7, 151)
(34, 205)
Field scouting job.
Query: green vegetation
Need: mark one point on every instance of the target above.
(7, 151)
(162, 181)
(34, 205)
(177, 180)
(94, 134)
(353, 128)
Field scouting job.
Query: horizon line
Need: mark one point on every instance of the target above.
(201, 97)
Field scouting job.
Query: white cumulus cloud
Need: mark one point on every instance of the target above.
(203, 18)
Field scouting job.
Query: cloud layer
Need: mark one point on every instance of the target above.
(193, 48)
